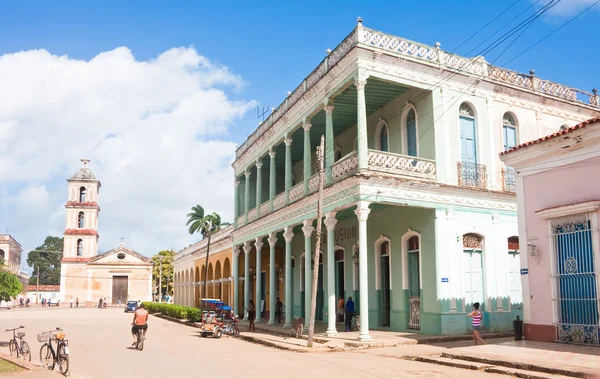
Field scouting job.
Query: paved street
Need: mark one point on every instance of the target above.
(99, 342)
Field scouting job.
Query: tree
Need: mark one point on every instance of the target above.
(206, 225)
(47, 258)
(163, 259)
(10, 286)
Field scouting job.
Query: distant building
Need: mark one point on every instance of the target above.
(558, 197)
(10, 252)
(119, 274)
(35, 294)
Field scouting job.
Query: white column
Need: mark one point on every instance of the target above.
(149, 298)
(272, 278)
(524, 255)
(330, 222)
(236, 278)
(442, 255)
(361, 126)
(307, 229)
(258, 243)
(288, 234)
(247, 247)
(362, 212)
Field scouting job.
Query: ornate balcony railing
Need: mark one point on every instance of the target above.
(344, 167)
(401, 164)
(472, 175)
(279, 201)
(252, 215)
(509, 181)
(241, 220)
(265, 208)
(296, 192)
(313, 183)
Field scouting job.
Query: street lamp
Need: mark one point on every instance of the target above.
(355, 257)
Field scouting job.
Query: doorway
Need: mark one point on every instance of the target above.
(384, 273)
(119, 289)
(414, 283)
(263, 293)
(340, 289)
(319, 310)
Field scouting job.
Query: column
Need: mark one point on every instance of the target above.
(247, 195)
(272, 278)
(330, 222)
(236, 278)
(288, 167)
(272, 177)
(258, 188)
(361, 123)
(362, 212)
(329, 144)
(258, 298)
(307, 229)
(307, 156)
(236, 202)
(288, 234)
(247, 247)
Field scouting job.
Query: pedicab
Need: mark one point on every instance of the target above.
(212, 322)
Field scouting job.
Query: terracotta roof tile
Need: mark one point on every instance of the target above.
(581, 125)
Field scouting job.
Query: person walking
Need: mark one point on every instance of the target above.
(71, 302)
(77, 302)
(251, 316)
(349, 313)
(100, 303)
(476, 315)
(340, 309)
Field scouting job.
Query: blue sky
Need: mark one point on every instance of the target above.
(102, 67)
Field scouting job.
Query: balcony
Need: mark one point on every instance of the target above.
(398, 164)
(508, 179)
(472, 175)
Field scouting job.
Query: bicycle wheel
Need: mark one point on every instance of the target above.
(25, 351)
(236, 332)
(12, 347)
(47, 357)
(357, 323)
(140, 340)
(63, 359)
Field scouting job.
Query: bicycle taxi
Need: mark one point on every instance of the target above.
(212, 323)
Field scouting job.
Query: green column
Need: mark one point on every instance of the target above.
(273, 279)
(288, 235)
(272, 187)
(307, 229)
(258, 297)
(329, 144)
(258, 187)
(361, 109)
(236, 202)
(247, 195)
(236, 278)
(288, 168)
(247, 279)
(330, 222)
(307, 156)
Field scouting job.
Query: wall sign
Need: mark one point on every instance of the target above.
(524, 271)
(444, 280)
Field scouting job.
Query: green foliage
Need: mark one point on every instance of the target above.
(10, 286)
(198, 222)
(47, 257)
(176, 311)
(166, 257)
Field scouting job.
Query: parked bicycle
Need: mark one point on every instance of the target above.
(232, 327)
(50, 357)
(297, 327)
(357, 321)
(17, 345)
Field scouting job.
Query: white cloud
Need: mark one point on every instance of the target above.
(156, 132)
(33, 200)
(567, 8)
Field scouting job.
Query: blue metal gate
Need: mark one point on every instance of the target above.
(575, 281)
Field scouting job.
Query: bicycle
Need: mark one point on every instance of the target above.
(20, 347)
(139, 339)
(357, 321)
(297, 327)
(48, 356)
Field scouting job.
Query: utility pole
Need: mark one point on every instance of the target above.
(160, 282)
(37, 285)
(313, 301)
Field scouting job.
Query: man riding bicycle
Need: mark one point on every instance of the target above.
(140, 322)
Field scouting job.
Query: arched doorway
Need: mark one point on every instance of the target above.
(384, 285)
(473, 269)
(414, 281)
(227, 284)
(340, 272)
(514, 271)
(219, 283)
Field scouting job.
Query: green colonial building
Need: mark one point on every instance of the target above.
(420, 214)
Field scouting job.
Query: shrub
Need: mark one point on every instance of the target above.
(176, 311)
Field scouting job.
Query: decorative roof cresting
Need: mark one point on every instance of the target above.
(84, 172)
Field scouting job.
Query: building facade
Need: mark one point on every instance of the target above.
(420, 213)
(559, 200)
(10, 253)
(119, 274)
(35, 293)
(189, 266)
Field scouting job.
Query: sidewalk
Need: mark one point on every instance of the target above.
(30, 371)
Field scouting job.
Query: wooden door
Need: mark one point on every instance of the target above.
(119, 289)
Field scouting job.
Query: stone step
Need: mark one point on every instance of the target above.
(523, 373)
(514, 365)
(440, 360)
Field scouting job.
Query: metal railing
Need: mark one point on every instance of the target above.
(509, 182)
(472, 175)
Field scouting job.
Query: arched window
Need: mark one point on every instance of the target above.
(411, 133)
(79, 248)
(383, 136)
(467, 134)
(338, 154)
(509, 132)
(473, 268)
(514, 271)
(82, 195)
(80, 220)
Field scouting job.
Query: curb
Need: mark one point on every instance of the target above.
(176, 320)
(272, 344)
(464, 337)
(517, 365)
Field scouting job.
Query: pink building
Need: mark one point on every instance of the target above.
(558, 197)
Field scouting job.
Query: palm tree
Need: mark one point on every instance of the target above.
(206, 225)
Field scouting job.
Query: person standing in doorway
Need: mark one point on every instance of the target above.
(476, 315)
(251, 316)
(340, 309)
(349, 313)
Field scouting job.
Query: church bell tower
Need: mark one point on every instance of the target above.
(81, 231)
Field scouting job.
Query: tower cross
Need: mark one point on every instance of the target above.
(121, 240)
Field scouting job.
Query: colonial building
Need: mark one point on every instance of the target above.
(558, 201)
(10, 253)
(420, 213)
(118, 274)
(189, 266)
